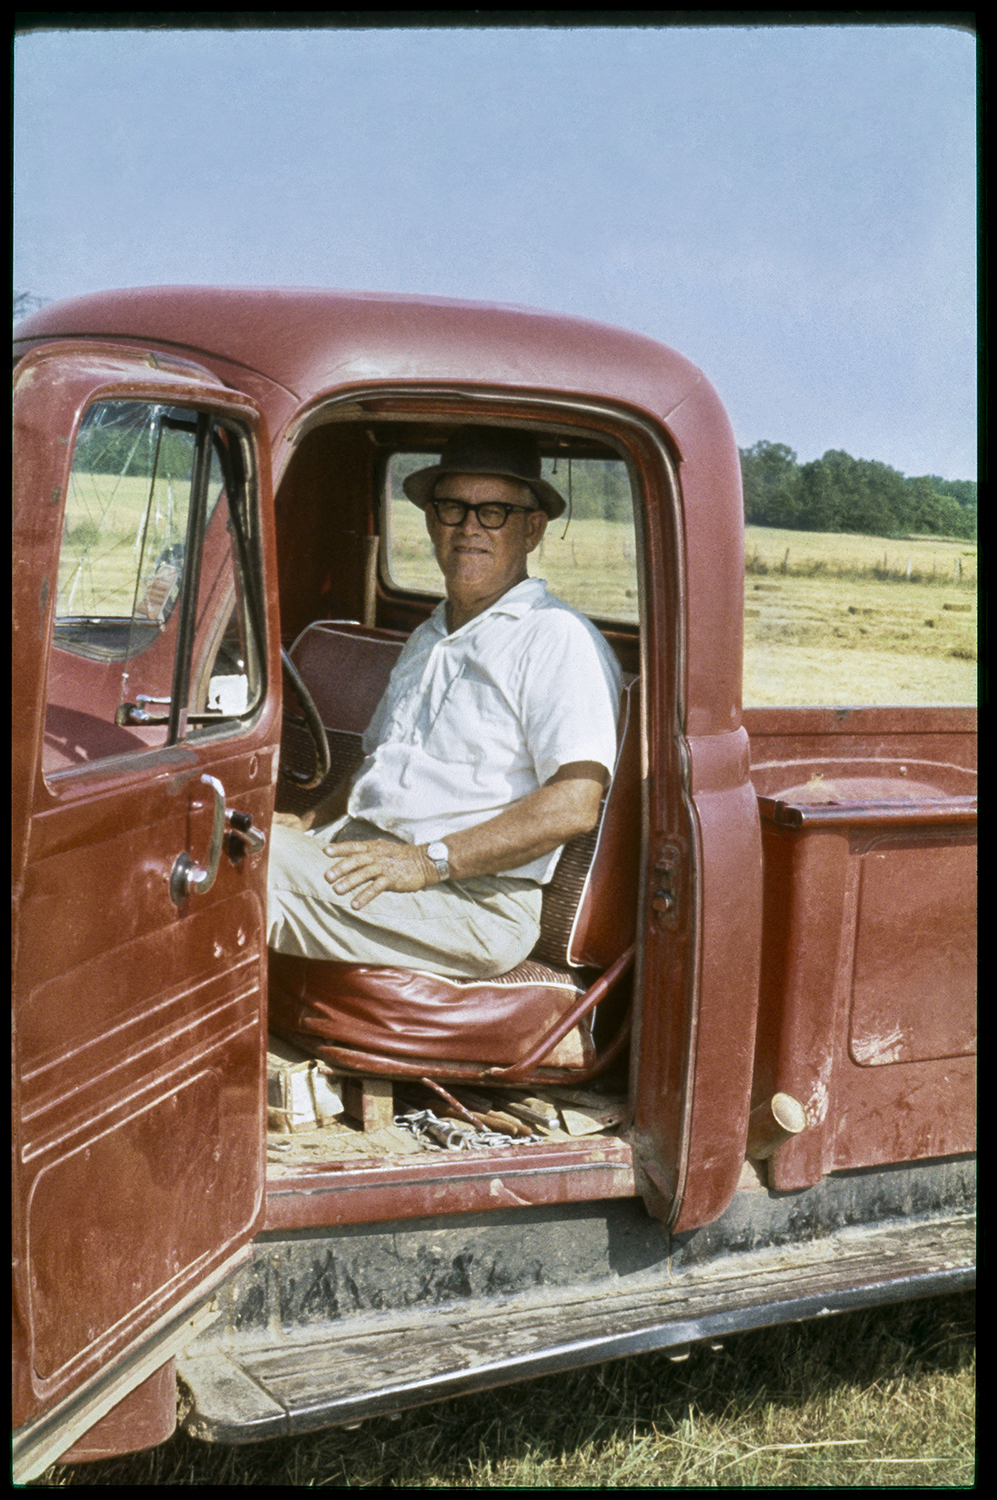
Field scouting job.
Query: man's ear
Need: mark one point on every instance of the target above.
(536, 525)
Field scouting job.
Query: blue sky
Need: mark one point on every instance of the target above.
(792, 208)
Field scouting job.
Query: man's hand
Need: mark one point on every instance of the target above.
(371, 866)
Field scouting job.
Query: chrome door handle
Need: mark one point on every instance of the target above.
(188, 878)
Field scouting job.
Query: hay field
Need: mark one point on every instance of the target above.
(838, 619)
(928, 559)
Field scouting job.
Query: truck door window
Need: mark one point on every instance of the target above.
(154, 636)
(589, 558)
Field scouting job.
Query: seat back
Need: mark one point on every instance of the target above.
(590, 905)
(345, 668)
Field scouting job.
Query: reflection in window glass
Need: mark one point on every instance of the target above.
(148, 547)
(589, 558)
(124, 530)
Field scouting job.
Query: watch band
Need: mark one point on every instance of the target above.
(440, 855)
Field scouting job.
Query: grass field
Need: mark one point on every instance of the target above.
(881, 1399)
(842, 619)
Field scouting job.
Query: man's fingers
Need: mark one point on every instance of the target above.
(347, 858)
(371, 867)
(367, 881)
(369, 892)
(347, 875)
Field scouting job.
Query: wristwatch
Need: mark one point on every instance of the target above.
(440, 855)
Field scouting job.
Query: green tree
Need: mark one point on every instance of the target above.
(841, 493)
(964, 491)
(923, 512)
(955, 519)
(820, 506)
(599, 487)
(884, 500)
(770, 478)
(935, 506)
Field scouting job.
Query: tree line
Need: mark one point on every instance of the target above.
(841, 493)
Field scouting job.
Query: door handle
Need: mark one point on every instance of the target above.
(188, 878)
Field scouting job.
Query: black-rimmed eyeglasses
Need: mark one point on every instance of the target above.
(492, 515)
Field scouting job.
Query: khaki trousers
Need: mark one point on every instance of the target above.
(468, 929)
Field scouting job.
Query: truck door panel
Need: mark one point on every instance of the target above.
(868, 986)
(139, 1033)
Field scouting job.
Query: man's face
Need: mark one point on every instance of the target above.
(476, 563)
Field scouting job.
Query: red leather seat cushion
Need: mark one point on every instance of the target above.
(409, 1015)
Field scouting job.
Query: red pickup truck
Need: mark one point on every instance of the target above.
(734, 1084)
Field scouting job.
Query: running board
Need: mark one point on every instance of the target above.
(363, 1366)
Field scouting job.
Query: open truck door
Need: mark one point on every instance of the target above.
(145, 740)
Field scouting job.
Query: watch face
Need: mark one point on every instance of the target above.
(440, 855)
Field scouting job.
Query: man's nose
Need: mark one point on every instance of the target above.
(470, 522)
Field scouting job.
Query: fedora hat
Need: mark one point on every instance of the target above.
(487, 450)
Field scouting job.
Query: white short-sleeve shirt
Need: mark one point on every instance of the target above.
(476, 720)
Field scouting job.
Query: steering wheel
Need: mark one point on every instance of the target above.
(313, 724)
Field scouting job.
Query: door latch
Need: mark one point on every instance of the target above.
(243, 836)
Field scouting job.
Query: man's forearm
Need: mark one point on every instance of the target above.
(567, 805)
(547, 818)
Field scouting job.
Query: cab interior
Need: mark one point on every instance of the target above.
(357, 575)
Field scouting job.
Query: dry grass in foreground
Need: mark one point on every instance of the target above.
(876, 1399)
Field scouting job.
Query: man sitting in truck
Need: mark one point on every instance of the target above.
(490, 748)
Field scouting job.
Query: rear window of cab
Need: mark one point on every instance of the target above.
(588, 556)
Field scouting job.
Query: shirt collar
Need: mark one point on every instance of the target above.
(517, 601)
